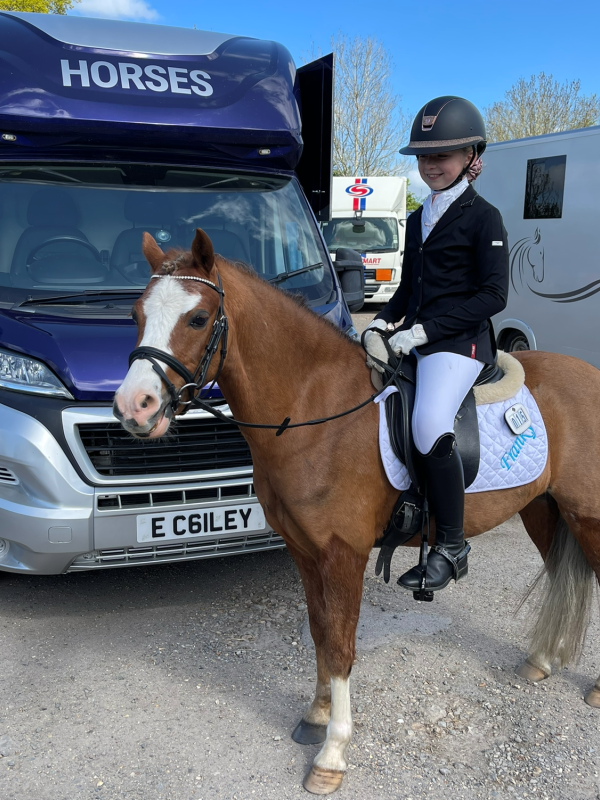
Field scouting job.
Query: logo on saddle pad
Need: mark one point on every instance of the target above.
(510, 458)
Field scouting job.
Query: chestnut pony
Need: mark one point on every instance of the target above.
(323, 488)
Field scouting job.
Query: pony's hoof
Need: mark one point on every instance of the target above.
(323, 781)
(593, 698)
(531, 673)
(309, 733)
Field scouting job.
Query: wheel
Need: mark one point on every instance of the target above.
(515, 342)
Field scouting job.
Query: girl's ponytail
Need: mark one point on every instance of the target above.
(474, 170)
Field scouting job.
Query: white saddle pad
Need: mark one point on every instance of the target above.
(506, 460)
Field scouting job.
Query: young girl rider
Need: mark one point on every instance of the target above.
(454, 278)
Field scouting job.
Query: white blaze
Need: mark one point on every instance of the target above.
(163, 307)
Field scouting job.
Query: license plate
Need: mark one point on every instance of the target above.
(191, 523)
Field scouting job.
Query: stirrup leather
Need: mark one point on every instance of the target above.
(455, 561)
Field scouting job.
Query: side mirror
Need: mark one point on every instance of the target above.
(351, 272)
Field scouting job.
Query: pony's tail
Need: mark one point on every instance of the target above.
(567, 585)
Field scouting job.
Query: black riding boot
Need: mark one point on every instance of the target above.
(447, 559)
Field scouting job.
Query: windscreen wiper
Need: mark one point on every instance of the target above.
(285, 275)
(31, 173)
(90, 295)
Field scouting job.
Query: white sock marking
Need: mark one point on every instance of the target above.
(339, 731)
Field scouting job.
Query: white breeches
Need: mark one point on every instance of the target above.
(443, 380)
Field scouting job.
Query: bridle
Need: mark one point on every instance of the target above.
(193, 382)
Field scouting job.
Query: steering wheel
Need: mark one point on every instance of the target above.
(73, 239)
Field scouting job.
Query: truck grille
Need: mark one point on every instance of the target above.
(369, 274)
(177, 551)
(174, 497)
(192, 445)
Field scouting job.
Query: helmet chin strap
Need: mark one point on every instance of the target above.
(463, 173)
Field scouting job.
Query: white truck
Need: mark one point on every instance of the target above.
(546, 188)
(369, 216)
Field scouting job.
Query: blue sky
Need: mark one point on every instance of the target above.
(473, 50)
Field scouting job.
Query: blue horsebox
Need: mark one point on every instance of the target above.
(109, 129)
(88, 81)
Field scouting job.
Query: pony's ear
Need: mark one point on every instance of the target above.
(152, 252)
(202, 251)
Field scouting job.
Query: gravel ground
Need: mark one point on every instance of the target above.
(184, 682)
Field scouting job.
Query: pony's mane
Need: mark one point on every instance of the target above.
(296, 298)
(185, 261)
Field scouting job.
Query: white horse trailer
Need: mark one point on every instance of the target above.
(546, 188)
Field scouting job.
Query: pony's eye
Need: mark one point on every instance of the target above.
(199, 321)
(134, 316)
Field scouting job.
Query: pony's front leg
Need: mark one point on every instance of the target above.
(312, 728)
(342, 572)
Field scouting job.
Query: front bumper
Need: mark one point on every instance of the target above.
(379, 292)
(52, 521)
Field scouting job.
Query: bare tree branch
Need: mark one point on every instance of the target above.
(540, 105)
(369, 124)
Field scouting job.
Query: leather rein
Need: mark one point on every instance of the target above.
(195, 382)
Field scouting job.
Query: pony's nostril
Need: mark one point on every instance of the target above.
(145, 402)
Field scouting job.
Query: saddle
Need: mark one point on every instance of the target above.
(408, 517)
(399, 409)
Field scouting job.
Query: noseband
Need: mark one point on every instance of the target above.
(193, 383)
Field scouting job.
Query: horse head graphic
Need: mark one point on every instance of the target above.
(527, 271)
(527, 261)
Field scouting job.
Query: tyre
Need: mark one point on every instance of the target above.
(515, 342)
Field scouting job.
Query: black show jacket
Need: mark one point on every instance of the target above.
(454, 282)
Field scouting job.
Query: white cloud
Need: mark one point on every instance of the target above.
(417, 185)
(117, 9)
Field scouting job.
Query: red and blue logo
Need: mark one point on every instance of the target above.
(359, 191)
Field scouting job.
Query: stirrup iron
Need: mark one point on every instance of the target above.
(459, 562)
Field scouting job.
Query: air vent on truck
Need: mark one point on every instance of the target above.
(8, 476)
(192, 445)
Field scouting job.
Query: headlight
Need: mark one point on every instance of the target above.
(27, 375)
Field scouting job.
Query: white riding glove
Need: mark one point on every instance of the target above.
(404, 341)
(374, 344)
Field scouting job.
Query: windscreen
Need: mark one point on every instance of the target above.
(366, 235)
(67, 229)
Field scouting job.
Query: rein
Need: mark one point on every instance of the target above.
(194, 383)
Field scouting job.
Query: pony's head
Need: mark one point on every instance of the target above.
(175, 315)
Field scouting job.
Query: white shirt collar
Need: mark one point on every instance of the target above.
(436, 205)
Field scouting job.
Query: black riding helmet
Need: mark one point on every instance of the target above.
(446, 123)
